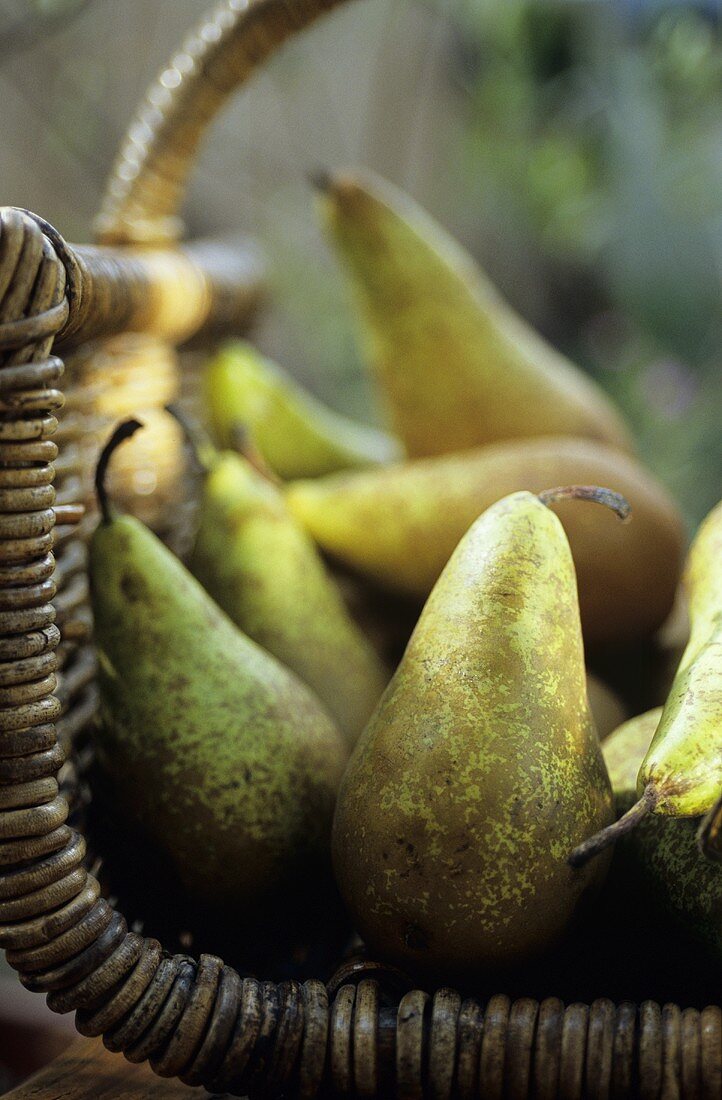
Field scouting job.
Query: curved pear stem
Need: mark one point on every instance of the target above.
(124, 431)
(604, 839)
(202, 448)
(595, 493)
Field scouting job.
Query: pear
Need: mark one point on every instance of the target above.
(659, 865)
(399, 525)
(456, 365)
(607, 708)
(264, 571)
(222, 756)
(480, 764)
(295, 434)
(681, 773)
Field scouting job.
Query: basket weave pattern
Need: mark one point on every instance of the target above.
(200, 1020)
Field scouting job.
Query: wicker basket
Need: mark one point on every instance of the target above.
(114, 310)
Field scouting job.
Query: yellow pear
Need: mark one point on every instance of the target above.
(456, 365)
(295, 433)
(398, 525)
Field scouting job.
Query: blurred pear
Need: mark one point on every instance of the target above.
(296, 435)
(399, 525)
(456, 365)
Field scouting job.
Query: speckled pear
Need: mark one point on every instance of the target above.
(683, 767)
(296, 435)
(480, 764)
(456, 365)
(266, 574)
(658, 867)
(399, 525)
(225, 759)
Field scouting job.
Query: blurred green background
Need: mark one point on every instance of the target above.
(575, 147)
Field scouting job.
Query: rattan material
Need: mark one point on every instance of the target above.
(200, 1020)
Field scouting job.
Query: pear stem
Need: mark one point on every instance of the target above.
(243, 444)
(201, 445)
(124, 431)
(604, 839)
(595, 493)
(320, 179)
(709, 834)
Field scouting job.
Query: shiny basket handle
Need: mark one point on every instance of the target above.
(148, 182)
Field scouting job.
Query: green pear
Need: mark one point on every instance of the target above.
(682, 771)
(224, 758)
(481, 763)
(296, 435)
(264, 571)
(659, 864)
(399, 525)
(456, 365)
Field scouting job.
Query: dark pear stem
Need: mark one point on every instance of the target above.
(321, 180)
(124, 431)
(242, 442)
(595, 493)
(204, 452)
(604, 839)
(709, 834)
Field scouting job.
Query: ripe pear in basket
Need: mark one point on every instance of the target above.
(480, 762)
(658, 868)
(296, 435)
(264, 571)
(399, 524)
(456, 366)
(223, 757)
(681, 773)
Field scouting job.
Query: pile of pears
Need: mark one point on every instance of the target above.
(259, 727)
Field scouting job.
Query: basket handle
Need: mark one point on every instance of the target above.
(148, 182)
(175, 294)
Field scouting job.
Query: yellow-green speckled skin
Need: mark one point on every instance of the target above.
(684, 762)
(659, 862)
(295, 433)
(399, 525)
(481, 768)
(222, 755)
(266, 574)
(457, 366)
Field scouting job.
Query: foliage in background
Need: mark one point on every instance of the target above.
(600, 125)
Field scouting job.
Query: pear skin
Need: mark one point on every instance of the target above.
(480, 764)
(295, 434)
(456, 365)
(266, 574)
(399, 525)
(226, 760)
(683, 767)
(659, 865)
